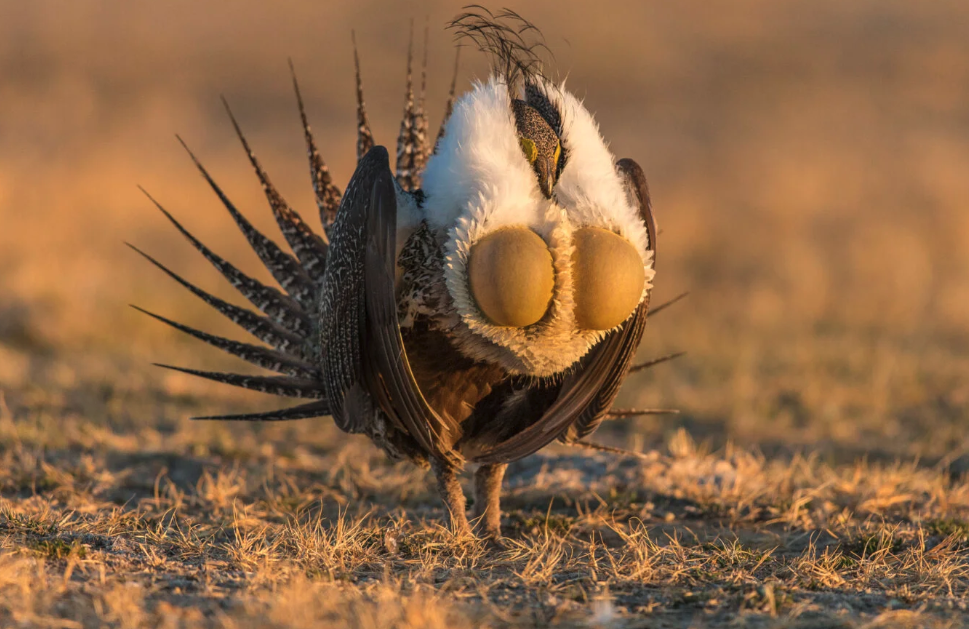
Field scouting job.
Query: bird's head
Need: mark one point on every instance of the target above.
(540, 144)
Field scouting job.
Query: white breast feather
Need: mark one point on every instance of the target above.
(479, 172)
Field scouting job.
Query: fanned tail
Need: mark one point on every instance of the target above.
(289, 326)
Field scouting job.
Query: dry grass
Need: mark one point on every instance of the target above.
(807, 160)
(108, 518)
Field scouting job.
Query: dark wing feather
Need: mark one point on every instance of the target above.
(586, 395)
(363, 351)
(386, 366)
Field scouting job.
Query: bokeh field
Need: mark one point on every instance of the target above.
(809, 166)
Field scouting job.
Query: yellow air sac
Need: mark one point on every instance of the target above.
(511, 277)
(608, 278)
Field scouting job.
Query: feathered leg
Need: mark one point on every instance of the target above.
(453, 496)
(487, 499)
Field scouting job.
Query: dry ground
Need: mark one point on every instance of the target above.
(808, 165)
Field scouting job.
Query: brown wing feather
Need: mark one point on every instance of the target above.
(364, 364)
(386, 368)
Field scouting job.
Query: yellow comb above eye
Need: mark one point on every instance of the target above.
(558, 153)
(530, 150)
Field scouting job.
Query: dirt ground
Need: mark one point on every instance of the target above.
(808, 166)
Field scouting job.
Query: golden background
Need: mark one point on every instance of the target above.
(808, 160)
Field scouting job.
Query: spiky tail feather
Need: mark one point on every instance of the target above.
(327, 194)
(364, 136)
(289, 322)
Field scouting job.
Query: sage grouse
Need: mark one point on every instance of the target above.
(482, 303)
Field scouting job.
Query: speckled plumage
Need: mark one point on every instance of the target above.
(369, 324)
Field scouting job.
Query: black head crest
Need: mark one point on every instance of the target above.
(513, 42)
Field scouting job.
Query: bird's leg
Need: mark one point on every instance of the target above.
(451, 493)
(487, 498)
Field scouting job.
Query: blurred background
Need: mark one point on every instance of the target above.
(807, 160)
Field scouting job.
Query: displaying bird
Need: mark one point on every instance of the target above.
(479, 305)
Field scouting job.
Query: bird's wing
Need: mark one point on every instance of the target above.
(586, 394)
(362, 348)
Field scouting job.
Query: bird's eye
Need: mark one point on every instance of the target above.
(511, 277)
(608, 278)
(529, 149)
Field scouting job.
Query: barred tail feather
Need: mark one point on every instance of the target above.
(327, 194)
(413, 148)
(364, 136)
(279, 307)
(308, 247)
(262, 328)
(422, 148)
(254, 354)
(449, 106)
(405, 139)
(286, 386)
(303, 411)
(283, 267)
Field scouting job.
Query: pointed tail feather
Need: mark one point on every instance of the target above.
(283, 267)
(405, 139)
(308, 247)
(254, 354)
(262, 328)
(449, 106)
(279, 307)
(655, 361)
(364, 136)
(663, 306)
(636, 412)
(327, 194)
(303, 411)
(286, 386)
(422, 148)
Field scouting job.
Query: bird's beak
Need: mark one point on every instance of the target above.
(546, 176)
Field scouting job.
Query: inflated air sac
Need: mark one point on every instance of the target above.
(608, 278)
(511, 277)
